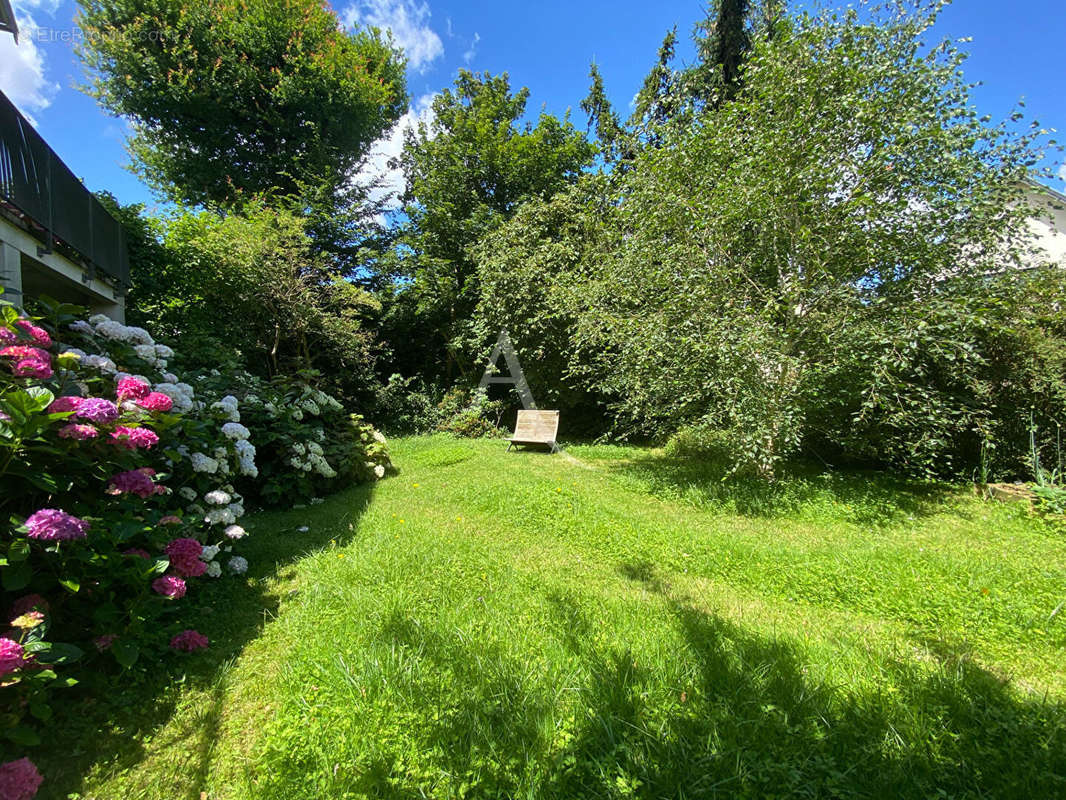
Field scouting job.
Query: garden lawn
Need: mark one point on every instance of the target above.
(611, 623)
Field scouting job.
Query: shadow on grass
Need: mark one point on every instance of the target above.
(865, 497)
(112, 722)
(732, 714)
(751, 723)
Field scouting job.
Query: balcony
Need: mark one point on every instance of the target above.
(55, 223)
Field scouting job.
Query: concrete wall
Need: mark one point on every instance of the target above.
(26, 273)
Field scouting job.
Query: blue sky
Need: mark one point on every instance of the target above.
(1017, 51)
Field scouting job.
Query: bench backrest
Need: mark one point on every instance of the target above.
(536, 426)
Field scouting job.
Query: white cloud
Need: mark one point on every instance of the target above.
(389, 183)
(48, 6)
(468, 56)
(1062, 172)
(409, 22)
(22, 69)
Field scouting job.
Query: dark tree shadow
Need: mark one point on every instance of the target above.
(754, 724)
(746, 719)
(869, 497)
(109, 720)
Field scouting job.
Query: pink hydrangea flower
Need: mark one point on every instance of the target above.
(184, 556)
(30, 362)
(104, 642)
(131, 388)
(39, 335)
(136, 551)
(170, 586)
(19, 780)
(134, 438)
(7, 337)
(20, 351)
(12, 657)
(27, 603)
(79, 432)
(156, 401)
(170, 519)
(53, 525)
(189, 641)
(63, 404)
(98, 410)
(34, 368)
(136, 481)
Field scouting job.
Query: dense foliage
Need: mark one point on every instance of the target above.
(230, 99)
(286, 306)
(806, 265)
(467, 170)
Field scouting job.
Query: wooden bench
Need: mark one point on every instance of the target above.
(536, 427)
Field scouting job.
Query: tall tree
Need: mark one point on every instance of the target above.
(602, 117)
(467, 170)
(233, 98)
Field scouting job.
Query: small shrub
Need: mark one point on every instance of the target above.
(469, 414)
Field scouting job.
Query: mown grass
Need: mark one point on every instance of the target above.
(621, 625)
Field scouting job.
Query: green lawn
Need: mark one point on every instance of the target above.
(615, 624)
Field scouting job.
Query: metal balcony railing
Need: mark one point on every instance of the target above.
(56, 206)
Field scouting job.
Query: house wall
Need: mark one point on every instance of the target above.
(1050, 227)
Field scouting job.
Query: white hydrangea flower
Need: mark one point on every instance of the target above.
(209, 552)
(297, 414)
(228, 406)
(236, 509)
(139, 336)
(235, 431)
(96, 319)
(83, 327)
(112, 330)
(188, 493)
(220, 516)
(322, 466)
(238, 565)
(314, 447)
(145, 351)
(162, 351)
(170, 377)
(102, 363)
(379, 472)
(202, 463)
(235, 532)
(214, 569)
(378, 437)
(218, 498)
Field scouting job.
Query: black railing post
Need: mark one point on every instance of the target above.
(49, 235)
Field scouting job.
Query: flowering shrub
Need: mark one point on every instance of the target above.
(123, 487)
(304, 443)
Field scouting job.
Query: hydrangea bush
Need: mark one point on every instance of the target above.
(124, 486)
